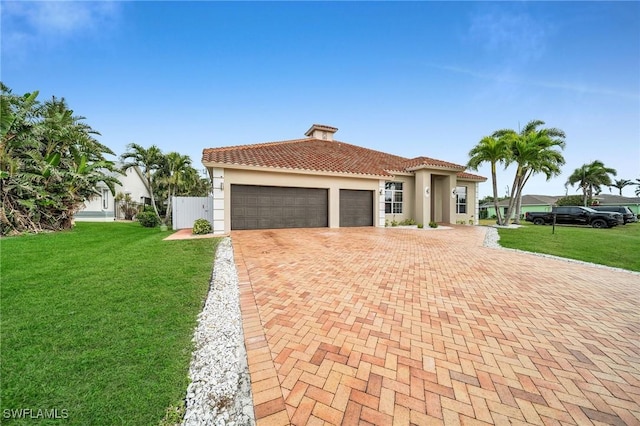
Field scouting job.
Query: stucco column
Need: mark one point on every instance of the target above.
(476, 204)
(220, 225)
(334, 207)
(449, 202)
(379, 214)
(423, 194)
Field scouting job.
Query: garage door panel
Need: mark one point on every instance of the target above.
(269, 207)
(356, 208)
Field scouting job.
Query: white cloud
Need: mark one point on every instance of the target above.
(26, 24)
(510, 35)
(507, 77)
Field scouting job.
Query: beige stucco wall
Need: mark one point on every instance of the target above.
(438, 206)
(332, 183)
(408, 200)
(471, 214)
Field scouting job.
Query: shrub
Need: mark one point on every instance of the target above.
(420, 226)
(394, 223)
(127, 206)
(408, 222)
(201, 226)
(432, 224)
(148, 219)
(573, 200)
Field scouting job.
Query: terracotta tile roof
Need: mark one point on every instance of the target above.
(470, 176)
(419, 162)
(312, 154)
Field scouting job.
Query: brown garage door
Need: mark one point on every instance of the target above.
(356, 208)
(271, 207)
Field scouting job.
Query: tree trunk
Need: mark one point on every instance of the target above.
(167, 214)
(495, 193)
(153, 199)
(527, 175)
(514, 190)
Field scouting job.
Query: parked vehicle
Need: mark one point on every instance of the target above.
(626, 212)
(576, 215)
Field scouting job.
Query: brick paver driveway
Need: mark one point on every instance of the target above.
(393, 326)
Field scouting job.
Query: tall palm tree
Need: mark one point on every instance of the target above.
(590, 177)
(637, 184)
(534, 151)
(620, 184)
(149, 160)
(493, 151)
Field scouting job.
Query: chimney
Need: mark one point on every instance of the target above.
(320, 131)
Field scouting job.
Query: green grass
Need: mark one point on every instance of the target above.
(618, 246)
(98, 321)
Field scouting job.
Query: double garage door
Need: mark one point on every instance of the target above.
(271, 207)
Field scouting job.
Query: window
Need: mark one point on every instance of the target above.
(105, 199)
(393, 197)
(461, 199)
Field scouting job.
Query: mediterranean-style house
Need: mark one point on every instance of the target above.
(103, 208)
(322, 182)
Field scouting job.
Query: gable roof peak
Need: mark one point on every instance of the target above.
(321, 131)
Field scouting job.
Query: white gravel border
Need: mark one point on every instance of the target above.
(492, 238)
(220, 389)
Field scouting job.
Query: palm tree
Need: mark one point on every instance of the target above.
(590, 177)
(533, 150)
(194, 185)
(148, 160)
(173, 174)
(493, 151)
(620, 184)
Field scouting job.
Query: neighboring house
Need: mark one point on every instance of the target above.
(617, 200)
(321, 182)
(530, 203)
(103, 208)
(544, 203)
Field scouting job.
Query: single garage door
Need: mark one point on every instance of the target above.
(271, 207)
(356, 208)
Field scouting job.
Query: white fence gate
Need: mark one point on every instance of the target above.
(187, 209)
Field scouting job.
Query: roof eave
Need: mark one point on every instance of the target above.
(433, 166)
(236, 166)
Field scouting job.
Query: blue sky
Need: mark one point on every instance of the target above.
(408, 78)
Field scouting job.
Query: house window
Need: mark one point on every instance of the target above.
(461, 199)
(105, 199)
(393, 197)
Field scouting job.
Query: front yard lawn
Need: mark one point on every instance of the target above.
(97, 322)
(618, 246)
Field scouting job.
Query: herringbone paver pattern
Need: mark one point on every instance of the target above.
(389, 326)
